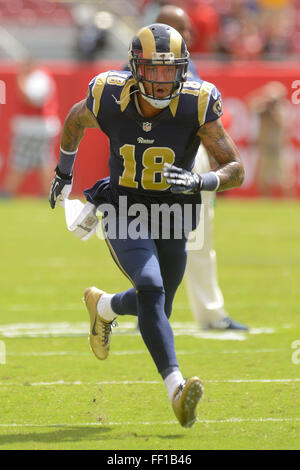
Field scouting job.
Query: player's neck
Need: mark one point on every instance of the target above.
(145, 107)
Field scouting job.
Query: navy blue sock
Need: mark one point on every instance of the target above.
(155, 329)
(125, 303)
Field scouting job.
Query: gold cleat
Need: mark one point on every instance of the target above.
(100, 329)
(185, 401)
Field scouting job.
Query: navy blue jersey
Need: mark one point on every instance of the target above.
(140, 146)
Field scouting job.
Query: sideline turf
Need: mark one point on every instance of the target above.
(55, 395)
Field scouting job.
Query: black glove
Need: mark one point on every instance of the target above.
(61, 186)
(182, 181)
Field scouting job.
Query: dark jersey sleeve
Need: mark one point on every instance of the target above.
(96, 87)
(209, 103)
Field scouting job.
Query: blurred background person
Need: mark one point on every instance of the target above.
(205, 26)
(151, 9)
(271, 108)
(205, 296)
(34, 128)
(91, 30)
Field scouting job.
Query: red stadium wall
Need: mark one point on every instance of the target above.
(234, 80)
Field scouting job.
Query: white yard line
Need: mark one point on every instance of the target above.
(154, 423)
(137, 382)
(71, 329)
(139, 352)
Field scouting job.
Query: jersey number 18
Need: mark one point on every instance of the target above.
(153, 160)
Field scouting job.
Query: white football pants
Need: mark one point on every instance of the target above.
(205, 297)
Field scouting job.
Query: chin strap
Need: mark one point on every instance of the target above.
(125, 98)
(159, 104)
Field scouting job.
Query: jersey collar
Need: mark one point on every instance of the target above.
(125, 97)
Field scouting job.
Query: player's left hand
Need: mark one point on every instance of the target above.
(61, 187)
(182, 181)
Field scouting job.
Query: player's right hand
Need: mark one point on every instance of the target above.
(61, 187)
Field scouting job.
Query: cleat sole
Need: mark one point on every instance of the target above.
(193, 397)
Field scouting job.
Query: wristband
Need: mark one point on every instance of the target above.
(63, 176)
(210, 181)
(66, 161)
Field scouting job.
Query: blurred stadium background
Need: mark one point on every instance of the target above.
(239, 45)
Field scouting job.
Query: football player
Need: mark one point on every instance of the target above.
(155, 120)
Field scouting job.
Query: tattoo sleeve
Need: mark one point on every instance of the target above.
(78, 119)
(222, 149)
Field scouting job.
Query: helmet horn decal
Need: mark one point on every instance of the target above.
(175, 43)
(146, 37)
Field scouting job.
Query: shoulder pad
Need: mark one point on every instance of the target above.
(117, 80)
(96, 87)
(209, 103)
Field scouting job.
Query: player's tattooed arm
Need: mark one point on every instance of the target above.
(222, 149)
(78, 119)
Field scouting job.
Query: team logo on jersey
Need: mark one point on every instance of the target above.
(145, 141)
(217, 108)
(147, 126)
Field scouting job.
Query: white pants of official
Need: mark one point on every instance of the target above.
(205, 297)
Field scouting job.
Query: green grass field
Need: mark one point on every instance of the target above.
(55, 394)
